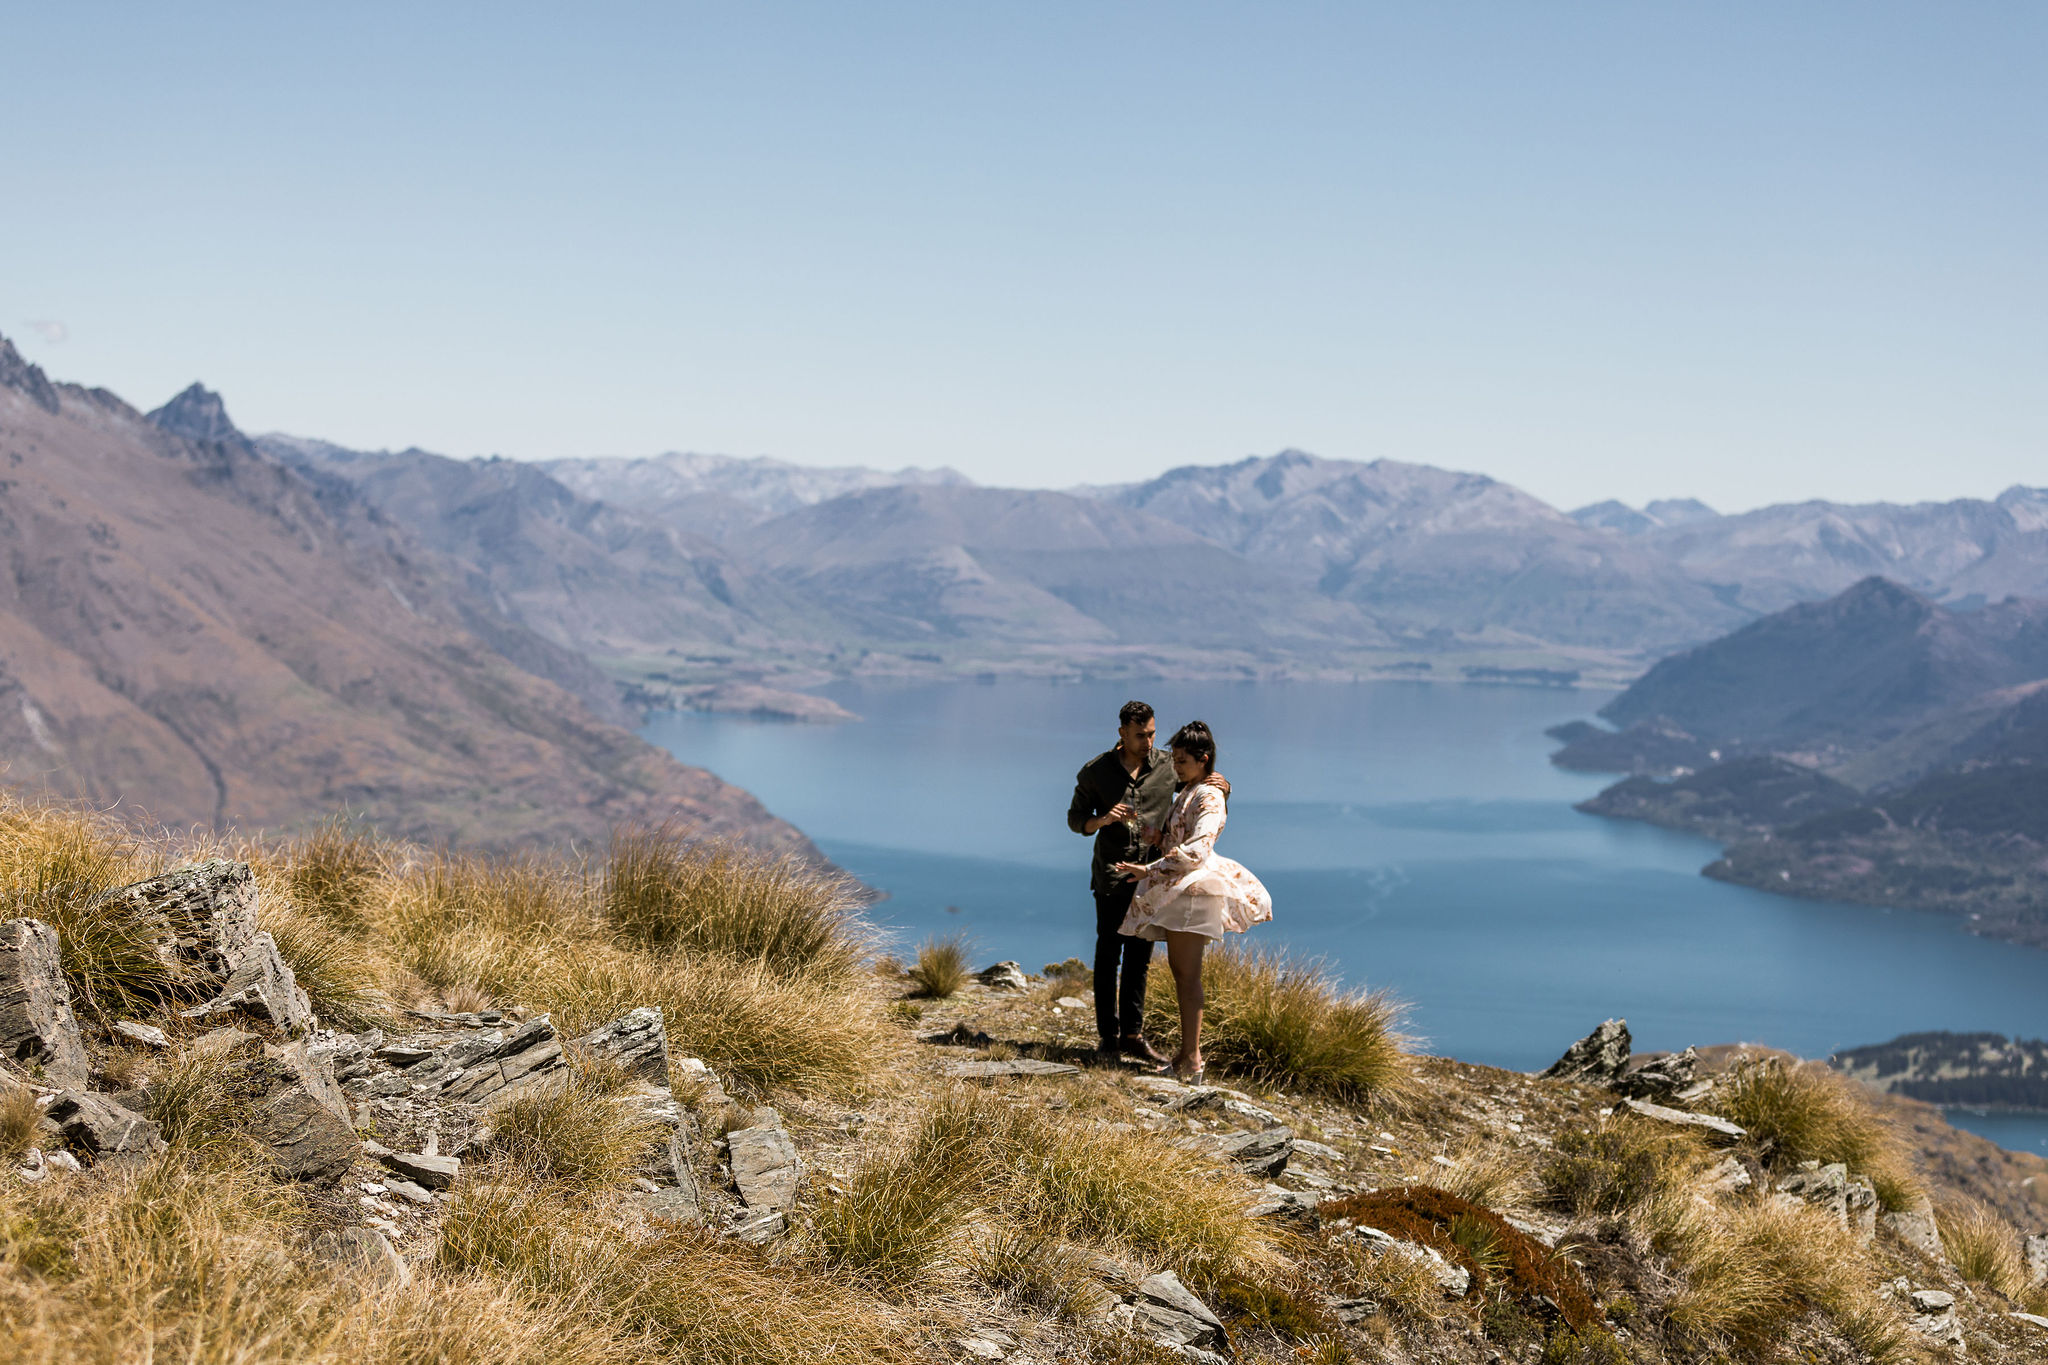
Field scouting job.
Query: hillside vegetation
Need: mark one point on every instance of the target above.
(663, 1104)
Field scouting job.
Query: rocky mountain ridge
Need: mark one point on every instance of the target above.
(197, 632)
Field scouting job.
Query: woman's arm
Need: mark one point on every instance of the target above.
(1208, 824)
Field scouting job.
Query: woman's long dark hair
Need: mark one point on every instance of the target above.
(1194, 740)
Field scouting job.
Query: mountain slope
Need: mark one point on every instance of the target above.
(1425, 550)
(1018, 567)
(598, 579)
(198, 633)
(1852, 671)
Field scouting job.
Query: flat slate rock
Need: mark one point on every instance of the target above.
(677, 1205)
(1708, 1122)
(1022, 1066)
(765, 1166)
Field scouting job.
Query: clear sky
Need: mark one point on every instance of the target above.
(1750, 253)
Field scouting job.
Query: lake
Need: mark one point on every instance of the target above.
(1414, 834)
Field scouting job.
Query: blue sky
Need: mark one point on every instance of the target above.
(1750, 253)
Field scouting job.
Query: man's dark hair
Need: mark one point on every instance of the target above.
(1194, 740)
(1133, 713)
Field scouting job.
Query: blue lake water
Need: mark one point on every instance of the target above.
(1414, 834)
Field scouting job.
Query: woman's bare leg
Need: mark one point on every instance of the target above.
(1184, 957)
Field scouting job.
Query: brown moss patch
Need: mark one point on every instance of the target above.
(1491, 1249)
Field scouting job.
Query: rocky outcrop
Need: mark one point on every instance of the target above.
(37, 1029)
(638, 1042)
(1671, 1077)
(95, 1127)
(1166, 1312)
(1003, 976)
(206, 933)
(1600, 1057)
(1850, 1200)
(1916, 1228)
(304, 1119)
(2036, 1248)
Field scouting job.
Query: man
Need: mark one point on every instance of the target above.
(1117, 795)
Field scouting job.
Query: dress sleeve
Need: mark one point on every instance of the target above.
(1186, 855)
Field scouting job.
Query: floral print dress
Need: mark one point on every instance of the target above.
(1190, 888)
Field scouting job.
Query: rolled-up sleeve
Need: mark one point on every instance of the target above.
(1082, 808)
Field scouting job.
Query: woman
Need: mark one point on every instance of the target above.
(1190, 894)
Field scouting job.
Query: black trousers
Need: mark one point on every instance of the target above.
(1120, 966)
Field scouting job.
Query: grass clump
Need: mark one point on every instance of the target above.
(206, 1098)
(683, 1295)
(1289, 1307)
(1798, 1113)
(338, 972)
(1618, 1166)
(1483, 1172)
(18, 1115)
(336, 872)
(1285, 1022)
(61, 865)
(1984, 1248)
(892, 1226)
(941, 968)
(1031, 1270)
(1750, 1273)
(576, 1130)
(661, 892)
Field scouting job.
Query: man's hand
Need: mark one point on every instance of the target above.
(1116, 815)
(1132, 870)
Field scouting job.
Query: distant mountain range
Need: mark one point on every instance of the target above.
(195, 632)
(1875, 748)
(1326, 562)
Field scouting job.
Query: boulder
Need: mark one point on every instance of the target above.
(206, 918)
(637, 1042)
(1852, 1201)
(95, 1126)
(365, 1251)
(433, 1172)
(765, 1166)
(1685, 1118)
(1003, 976)
(1165, 1311)
(1661, 1079)
(1287, 1206)
(1600, 1057)
(1454, 1280)
(1730, 1177)
(699, 1083)
(677, 1205)
(1265, 1152)
(303, 1118)
(1915, 1227)
(758, 1228)
(2037, 1258)
(37, 1028)
(261, 986)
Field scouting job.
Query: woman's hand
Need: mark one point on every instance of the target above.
(1219, 782)
(1129, 869)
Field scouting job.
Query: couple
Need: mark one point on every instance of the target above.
(1157, 875)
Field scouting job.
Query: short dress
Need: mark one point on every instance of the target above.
(1190, 888)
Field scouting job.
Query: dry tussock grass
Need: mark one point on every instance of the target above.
(689, 1297)
(18, 1115)
(1483, 1171)
(576, 1130)
(1812, 1113)
(1621, 1165)
(1984, 1247)
(1750, 1272)
(663, 893)
(1285, 1021)
(941, 968)
(1032, 1271)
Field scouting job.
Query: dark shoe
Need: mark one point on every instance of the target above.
(1136, 1047)
(1110, 1052)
